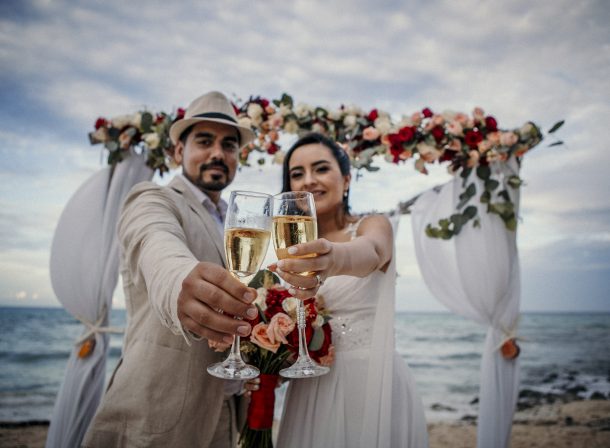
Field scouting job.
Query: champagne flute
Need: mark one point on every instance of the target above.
(294, 222)
(247, 234)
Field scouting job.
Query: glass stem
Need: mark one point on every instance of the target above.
(301, 325)
(235, 352)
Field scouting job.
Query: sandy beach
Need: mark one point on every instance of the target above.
(577, 424)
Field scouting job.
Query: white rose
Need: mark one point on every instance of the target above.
(290, 306)
(254, 110)
(121, 121)
(383, 125)
(353, 110)
(136, 120)
(404, 121)
(335, 114)
(285, 110)
(349, 121)
(151, 139)
(302, 110)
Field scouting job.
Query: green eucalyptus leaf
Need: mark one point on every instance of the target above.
(470, 212)
(111, 146)
(491, 184)
(146, 122)
(483, 172)
(556, 126)
(514, 181)
(261, 161)
(485, 197)
(431, 231)
(511, 223)
(504, 195)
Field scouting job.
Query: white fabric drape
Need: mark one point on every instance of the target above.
(84, 273)
(476, 275)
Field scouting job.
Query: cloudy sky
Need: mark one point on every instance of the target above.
(64, 63)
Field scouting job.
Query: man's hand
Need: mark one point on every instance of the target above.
(210, 296)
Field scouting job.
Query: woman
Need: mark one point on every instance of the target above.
(368, 399)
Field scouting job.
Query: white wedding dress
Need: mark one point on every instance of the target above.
(369, 397)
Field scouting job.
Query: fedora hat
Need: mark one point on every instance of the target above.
(215, 107)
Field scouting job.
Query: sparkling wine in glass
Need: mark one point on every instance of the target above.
(294, 222)
(247, 234)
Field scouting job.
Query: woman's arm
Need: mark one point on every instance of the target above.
(369, 251)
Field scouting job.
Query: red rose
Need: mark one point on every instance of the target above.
(235, 108)
(264, 103)
(273, 148)
(427, 112)
(438, 133)
(491, 124)
(159, 118)
(472, 138)
(373, 115)
(396, 150)
(180, 113)
(447, 155)
(406, 134)
(100, 122)
(394, 140)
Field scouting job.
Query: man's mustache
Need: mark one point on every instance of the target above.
(216, 164)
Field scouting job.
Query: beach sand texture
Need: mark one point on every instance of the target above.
(576, 424)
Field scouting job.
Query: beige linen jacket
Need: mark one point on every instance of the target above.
(160, 394)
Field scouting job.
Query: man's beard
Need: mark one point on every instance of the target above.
(217, 183)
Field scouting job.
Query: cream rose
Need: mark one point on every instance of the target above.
(420, 165)
(416, 118)
(383, 125)
(285, 110)
(245, 122)
(278, 157)
(438, 120)
(508, 138)
(302, 110)
(290, 306)
(276, 120)
(335, 114)
(461, 118)
(280, 326)
(259, 337)
(121, 121)
(473, 158)
(455, 128)
(427, 152)
(254, 111)
(478, 114)
(484, 146)
(261, 298)
(349, 121)
(151, 139)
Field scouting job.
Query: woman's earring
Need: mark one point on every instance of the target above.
(345, 194)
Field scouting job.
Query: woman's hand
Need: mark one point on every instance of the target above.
(315, 257)
(251, 386)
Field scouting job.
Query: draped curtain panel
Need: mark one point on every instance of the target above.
(84, 272)
(476, 275)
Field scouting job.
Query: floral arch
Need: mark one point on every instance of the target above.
(466, 143)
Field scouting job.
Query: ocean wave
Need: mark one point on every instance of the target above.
(461, 356)
(33, 357)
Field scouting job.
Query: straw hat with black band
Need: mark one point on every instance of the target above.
(215, 107)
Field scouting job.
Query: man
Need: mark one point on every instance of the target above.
(176, 288)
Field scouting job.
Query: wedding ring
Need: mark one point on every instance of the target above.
(320, 281)
(219, 311)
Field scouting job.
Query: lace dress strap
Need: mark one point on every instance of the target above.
(352, 228)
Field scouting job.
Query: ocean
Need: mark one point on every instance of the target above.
(562, 355)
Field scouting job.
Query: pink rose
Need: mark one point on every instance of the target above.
(508, 138)
(473, 159)
(259, 337)
(416, 118)
(279, 327)
(370, 134)
(438, 120)
(420, 165)
(494, 138)
(461, 118)
(478, 114)
(328, 359)
(455, 128)
(427, 152)
(455, 145)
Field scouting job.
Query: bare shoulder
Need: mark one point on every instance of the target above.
(375, 225)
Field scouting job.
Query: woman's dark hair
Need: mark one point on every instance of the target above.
(314, 138)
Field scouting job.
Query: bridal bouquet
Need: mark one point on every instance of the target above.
(273, 345)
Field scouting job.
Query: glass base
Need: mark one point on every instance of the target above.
(233, 369)
(304, 368)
